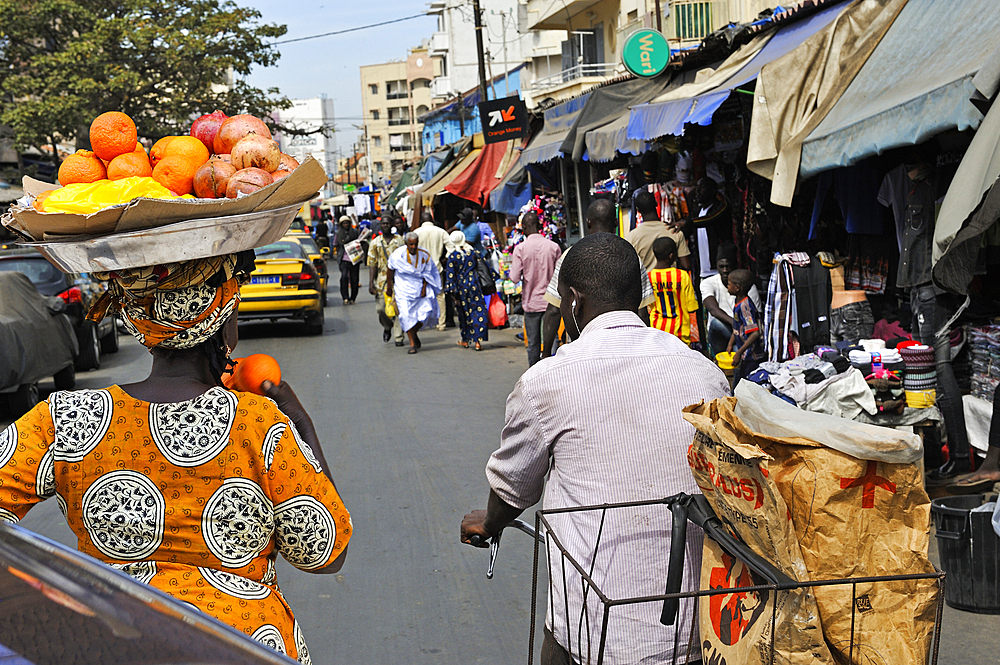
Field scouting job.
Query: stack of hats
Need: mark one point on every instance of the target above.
(920, 379)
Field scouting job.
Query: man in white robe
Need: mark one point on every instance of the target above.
(414, 281)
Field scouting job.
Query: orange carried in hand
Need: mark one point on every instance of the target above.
(251, 372)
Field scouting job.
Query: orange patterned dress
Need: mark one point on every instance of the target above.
(195, 498)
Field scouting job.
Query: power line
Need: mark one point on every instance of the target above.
(341, 32)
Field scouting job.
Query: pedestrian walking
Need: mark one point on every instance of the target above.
(414, 281)
(379, 252)
(462, 282)
(577, 434)
(186, 486)
(534, 261)
(350, 272)
(432, 238)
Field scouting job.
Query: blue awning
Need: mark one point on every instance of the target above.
(558, 121)
(660, 118)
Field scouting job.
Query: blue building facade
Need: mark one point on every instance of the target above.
(442, 126)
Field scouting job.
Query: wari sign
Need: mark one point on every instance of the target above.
(646, 53)
(503, 119)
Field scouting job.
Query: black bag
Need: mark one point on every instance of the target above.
(485, 275)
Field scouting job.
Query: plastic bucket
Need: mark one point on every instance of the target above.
(970, 553)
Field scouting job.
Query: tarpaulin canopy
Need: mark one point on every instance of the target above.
(794, 93)
(513, 191)
(606, 105)
(972, 204)
(485, 172)
(435, 161)
(406, 179)
(558, 121)
(447, 174)
(697, 102)
(915, 84)
(604, 142)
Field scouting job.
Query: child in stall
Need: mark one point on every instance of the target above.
(750, 352)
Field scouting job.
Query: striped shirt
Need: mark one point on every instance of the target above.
(674, 302)
(579, 413)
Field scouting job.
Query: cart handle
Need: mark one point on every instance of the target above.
(477, 540)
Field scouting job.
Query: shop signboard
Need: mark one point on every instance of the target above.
(503, 119)
(646, 53)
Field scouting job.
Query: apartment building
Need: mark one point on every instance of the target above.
(596, 30)
(316, 116)
(393, 96)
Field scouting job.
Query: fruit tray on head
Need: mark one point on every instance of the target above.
(180, 241)
(146, 214)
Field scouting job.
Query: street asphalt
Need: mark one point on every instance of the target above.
(408, 438)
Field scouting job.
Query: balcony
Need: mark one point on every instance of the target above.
(548, 15)
(595, 72)
(690, 21)
(400, 148)
(441, 87)
(396, 94)
(399, 122)
(440, 44)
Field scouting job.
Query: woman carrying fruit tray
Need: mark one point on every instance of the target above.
(182, 484)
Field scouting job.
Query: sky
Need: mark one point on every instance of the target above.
(330, 64)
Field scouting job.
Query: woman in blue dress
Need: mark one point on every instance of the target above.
(462, 281)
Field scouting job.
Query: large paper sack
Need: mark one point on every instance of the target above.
(850, 517)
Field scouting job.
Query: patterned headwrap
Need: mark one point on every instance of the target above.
(175, 305)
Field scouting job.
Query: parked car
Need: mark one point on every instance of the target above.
(78, 291)
(58, 605)
(37, 341)
(317, 255)
(284, 285)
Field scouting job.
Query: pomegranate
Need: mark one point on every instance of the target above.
(235, 128)
(207, 126)
(212, 178)
(247, 181)
(279, 174)
(224, 157)
(256, 151)
(288, 163)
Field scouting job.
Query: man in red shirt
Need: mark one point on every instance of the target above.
(533, 262)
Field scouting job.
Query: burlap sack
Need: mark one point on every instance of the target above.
(849, 517)
(733, 474)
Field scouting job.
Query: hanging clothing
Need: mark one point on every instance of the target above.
(857, 191)
(813, 293)
(781, 312)
(461, 280)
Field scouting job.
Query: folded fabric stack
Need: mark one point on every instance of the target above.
(920, 380)
(985, 343)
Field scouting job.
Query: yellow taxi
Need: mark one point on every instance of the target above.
(284, 285)
(315, 255)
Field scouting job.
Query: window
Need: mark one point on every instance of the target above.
(633, 15)
(693, 20)
(374, 115)
(373, 88)
(377, 141)
(420, 84)
(378, 167)
(395, 90)
(421, 110)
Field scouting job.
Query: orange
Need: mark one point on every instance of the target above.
(81, 166)
(254, 370)
(39, 202)
(176, 174)
(156, 152)
(188, 147)
(128, 165)
(140, 148)
(112, 134)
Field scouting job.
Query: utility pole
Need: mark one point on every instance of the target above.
(478, 16)
(659, 19)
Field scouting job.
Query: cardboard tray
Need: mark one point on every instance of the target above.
(142, 214)
(180, 241)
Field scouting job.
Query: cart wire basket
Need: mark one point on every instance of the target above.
(586, 630)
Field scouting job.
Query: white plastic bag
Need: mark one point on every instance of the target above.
(763, 412)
